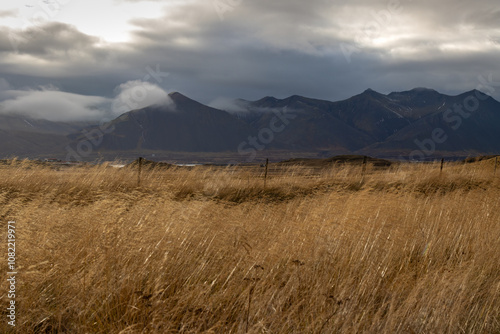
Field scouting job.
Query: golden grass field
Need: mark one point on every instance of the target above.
(403, 249)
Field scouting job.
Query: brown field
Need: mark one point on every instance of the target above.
(403, 249)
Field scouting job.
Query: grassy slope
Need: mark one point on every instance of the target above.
(405, 250)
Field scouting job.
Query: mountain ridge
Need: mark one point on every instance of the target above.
(373, 123)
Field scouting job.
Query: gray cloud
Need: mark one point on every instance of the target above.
(52, 50)
(8, 13)
(279, 48)
(4, 85)
(52, 39)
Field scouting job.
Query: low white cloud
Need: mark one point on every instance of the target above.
(137, 94)
(229, 105)
(53, 105)
(48, 102)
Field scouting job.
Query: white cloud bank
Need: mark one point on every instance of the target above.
(51, 104)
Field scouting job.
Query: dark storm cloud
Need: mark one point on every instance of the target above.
(46, 40)
(292, 47)
(250, 49)
(52, 50)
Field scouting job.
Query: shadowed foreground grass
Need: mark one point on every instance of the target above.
(206, 250)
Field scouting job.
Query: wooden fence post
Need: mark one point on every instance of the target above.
(496, 162)
(365, 160)
(442, 164)
(139, 161)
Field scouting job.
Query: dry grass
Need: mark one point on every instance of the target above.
(210, 250)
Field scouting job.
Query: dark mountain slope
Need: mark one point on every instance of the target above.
(420, 120)
(188, 126)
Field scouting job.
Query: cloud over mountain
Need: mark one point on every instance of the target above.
(139, 94)
(248, 49)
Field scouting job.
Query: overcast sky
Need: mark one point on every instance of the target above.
(75, 59)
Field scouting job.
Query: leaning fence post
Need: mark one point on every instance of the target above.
(442, 164)
(265, 175)
(363, 169)
(139, 161)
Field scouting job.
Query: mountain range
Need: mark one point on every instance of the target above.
(418, 124)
